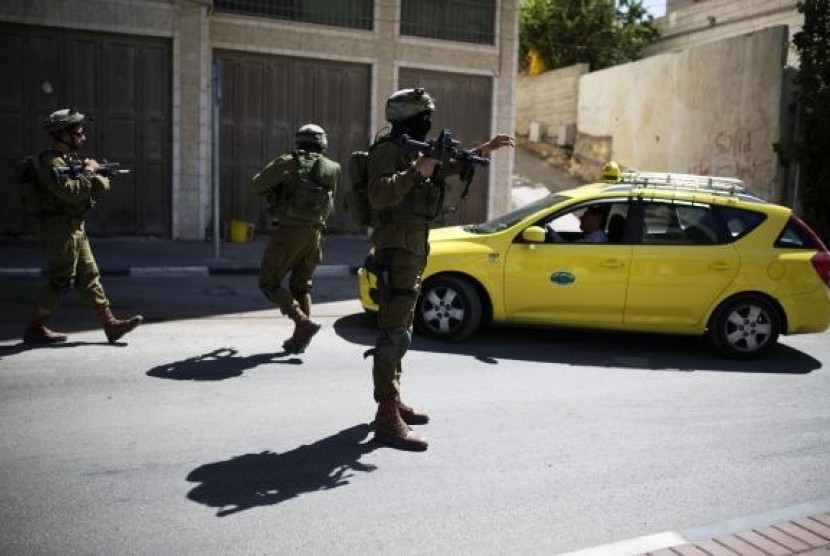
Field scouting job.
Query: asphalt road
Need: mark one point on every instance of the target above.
(198, 436)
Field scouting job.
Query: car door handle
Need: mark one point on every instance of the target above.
(612, 263)
(720, 266)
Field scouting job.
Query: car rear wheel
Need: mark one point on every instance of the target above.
(744, 327)
(448, 308)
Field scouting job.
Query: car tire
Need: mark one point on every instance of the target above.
(448, 308)
(744, 327)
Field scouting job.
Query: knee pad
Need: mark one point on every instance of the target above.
(393, 343)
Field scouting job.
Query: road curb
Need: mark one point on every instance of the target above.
(185, 271)
(677, 542)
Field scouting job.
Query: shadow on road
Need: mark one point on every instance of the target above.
(268, 478)
(591, 349)
(158, 299)
(218, 364)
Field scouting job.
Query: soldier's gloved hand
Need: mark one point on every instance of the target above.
(425, 165)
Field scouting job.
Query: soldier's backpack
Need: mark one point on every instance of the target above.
(356, 197)
(311, 198)
(26, 175)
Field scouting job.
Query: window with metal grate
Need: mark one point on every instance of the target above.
(355, 14)
(454, 20)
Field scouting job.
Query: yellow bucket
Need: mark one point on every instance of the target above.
(241, 231)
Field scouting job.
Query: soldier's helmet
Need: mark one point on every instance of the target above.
(312, 134)
(406, 103)
(64, 118)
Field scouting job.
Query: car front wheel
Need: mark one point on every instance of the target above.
(744, 327)
(449, 308)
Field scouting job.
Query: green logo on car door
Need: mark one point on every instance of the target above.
(562, 278)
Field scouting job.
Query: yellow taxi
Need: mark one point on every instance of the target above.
(645, 252)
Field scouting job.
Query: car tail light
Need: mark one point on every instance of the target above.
(821, 261)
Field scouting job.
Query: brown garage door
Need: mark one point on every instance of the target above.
(264, 100)
(125, 83)
(463, 105)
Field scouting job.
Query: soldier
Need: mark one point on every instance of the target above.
(300, 188)
(63, 198)
(401, 193)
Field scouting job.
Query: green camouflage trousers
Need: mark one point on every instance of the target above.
(70, 263)
(294, 249)
(398, 285)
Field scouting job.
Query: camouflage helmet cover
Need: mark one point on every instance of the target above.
(64, 118)
(406, 103)
(312, 133)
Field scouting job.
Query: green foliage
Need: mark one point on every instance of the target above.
(813, 46)
(597, 32)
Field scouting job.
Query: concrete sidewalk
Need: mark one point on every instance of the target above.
(808, 536)
(143, 256)
(803, 530)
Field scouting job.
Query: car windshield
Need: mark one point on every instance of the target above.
(515, 216)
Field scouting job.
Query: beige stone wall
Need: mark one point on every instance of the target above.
(713, 109)
(690, 23)
(550, 98)
(134, 17)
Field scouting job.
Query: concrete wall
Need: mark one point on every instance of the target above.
(713, 109)
(550, 98)
(693, 22)
(195, 31)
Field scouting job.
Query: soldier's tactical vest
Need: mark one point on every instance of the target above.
(423, 203)
(33, 174)
(311, 198)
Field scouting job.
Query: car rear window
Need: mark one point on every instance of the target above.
(796, 235)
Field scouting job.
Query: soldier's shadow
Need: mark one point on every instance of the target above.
(21, 347)
(268, 478)
(218, 364)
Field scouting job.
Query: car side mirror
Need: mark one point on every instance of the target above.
(534, 234)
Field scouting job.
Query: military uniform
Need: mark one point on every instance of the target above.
(401, 199)
(404, 203)
(63, 189)
(64, 203)
(300, 186)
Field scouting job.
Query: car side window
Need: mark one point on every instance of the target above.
(607, 224)
(679, 224)
(738, 222)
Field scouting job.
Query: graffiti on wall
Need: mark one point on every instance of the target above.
(738, 154)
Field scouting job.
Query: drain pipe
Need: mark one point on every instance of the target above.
(217, 101)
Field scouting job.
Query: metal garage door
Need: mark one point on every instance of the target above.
(464, 106)
(264, 100)
(125, 83)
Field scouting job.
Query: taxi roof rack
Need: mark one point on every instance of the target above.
(709, 184)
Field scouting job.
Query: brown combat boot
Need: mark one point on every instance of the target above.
(410, 415)
(390, 429)
(304, 330)
(113, 327)
(36, 331)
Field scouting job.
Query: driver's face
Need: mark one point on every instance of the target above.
(589, 221)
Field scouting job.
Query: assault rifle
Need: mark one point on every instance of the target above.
(76, 168)
(444, 149)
